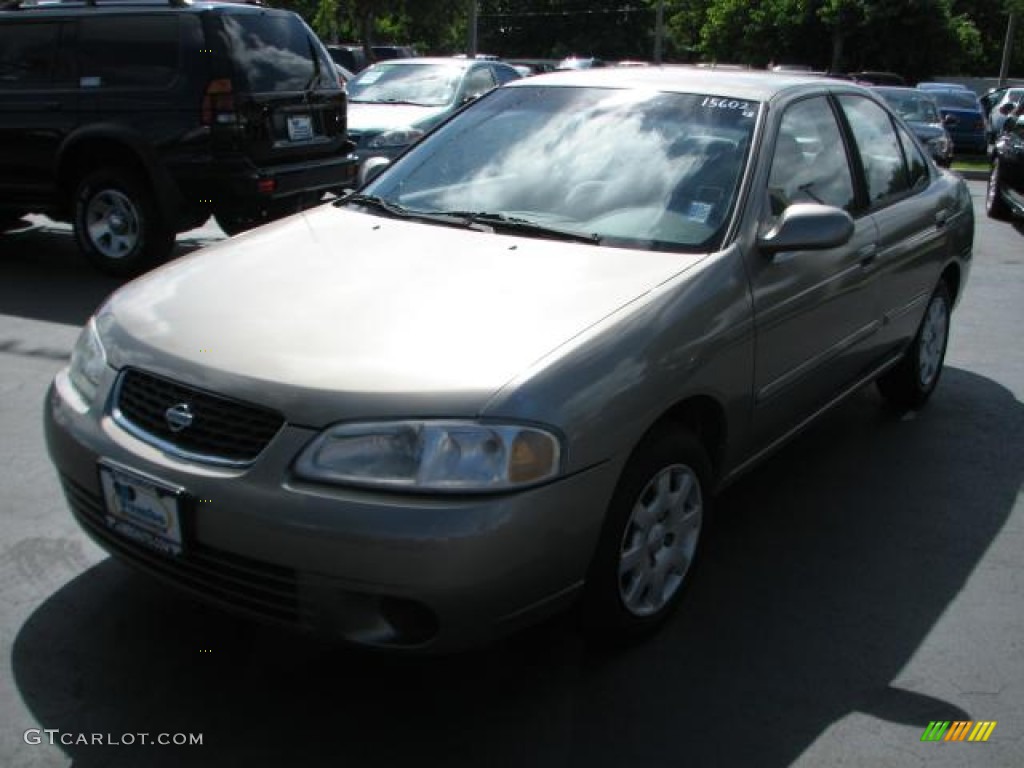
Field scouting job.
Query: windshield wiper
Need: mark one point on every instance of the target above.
(399, 212)
(503, 222)
(480, 221)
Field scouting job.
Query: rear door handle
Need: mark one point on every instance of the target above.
(941, 218)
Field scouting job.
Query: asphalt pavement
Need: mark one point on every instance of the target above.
(864, 582)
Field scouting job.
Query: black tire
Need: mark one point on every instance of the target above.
(621, 602)
(912, 381)
(11, 221)
(995, 206)
(234, 222)
(118, 224)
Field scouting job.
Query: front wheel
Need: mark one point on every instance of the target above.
(995, 206)
(118, 224)
(650, 539)
(912, 381)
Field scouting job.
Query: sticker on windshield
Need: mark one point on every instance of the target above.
(699, 212)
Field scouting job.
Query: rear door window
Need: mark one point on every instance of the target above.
(28, 54)
(128, 51)
(274, 53)
(879, 148)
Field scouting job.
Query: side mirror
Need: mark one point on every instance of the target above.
(1007, 108)
(808, 227)
(949, 120)
(371, 169)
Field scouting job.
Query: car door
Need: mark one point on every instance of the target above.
(912, 210)
(815, 311)
(37, 110)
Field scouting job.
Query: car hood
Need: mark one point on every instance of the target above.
(375, 118)
(333, 313)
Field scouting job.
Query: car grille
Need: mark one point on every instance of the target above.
(223, 431)
(232, 581)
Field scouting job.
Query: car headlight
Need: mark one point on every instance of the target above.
(397, 138)
(432, 456)
(940, 144)
(88, 361)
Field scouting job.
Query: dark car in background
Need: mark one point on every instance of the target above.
(136, 121)
(1005, 195)
(921, 113)
(351, 57)
(998, 103)
(963, 116)
(393, 103)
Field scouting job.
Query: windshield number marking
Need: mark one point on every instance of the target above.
(716, 103)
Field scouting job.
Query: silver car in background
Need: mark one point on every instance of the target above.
(510, 374)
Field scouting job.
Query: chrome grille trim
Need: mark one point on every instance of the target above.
(231, 433)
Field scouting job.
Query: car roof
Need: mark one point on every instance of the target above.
(904, 90)
(754, 85)
(442, 60)
(83, 8)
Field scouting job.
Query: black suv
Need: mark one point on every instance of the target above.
(137, 120)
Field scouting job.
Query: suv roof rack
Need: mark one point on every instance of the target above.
(17, 5)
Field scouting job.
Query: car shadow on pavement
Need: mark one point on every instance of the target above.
(826, 571)
(43, 276)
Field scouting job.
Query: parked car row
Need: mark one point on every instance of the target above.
(509, 375)
(921, 112)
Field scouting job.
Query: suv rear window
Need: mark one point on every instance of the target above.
(275, 53)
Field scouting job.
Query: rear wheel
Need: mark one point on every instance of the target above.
(912, 381)
(995, 206)
(651, 538)
(118, 224)
(236, 221)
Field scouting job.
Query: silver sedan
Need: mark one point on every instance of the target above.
(511, 373)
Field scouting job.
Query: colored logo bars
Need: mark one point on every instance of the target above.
(961, 730)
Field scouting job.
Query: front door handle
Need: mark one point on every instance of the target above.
(867, 254)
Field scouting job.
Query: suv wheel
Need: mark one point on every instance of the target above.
(234, 221)
(117, 223)
(912, 381)
(650, 539)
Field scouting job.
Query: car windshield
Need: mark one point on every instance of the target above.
(625, 168)
(428, 85)
(915, 110)
(956, 99)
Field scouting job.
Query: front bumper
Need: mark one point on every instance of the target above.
(429, 573)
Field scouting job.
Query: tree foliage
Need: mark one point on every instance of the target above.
(918, 38)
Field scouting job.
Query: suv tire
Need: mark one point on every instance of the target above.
(118, 224)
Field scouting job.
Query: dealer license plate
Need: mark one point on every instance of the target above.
(143, 510)
(300, 128)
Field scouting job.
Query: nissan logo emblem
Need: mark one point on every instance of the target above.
(179, 417)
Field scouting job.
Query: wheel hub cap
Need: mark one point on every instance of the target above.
(660, 540)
